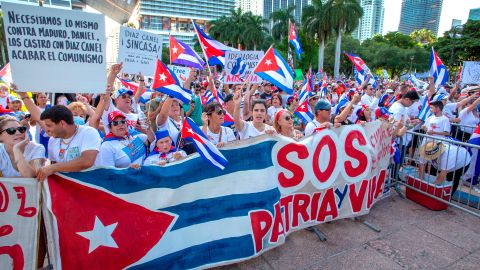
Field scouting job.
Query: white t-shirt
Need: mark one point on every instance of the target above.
(438, 124)
(398, 110)
(467, 118)
(453, 158)
(86, 138)
(226, 132)
(32, 151)
(130, 117)
(272, 111)
(311, 126)
(449, 110)
(38, 128)
(154, 159)
(370, 101)
(3, 102)
(249, 130)
(172, 127)
(122, 153)
(413, 111)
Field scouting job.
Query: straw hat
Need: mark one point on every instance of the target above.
(431, 150)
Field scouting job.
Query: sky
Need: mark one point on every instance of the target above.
(451, 9)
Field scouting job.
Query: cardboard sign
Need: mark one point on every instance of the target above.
(471, 72)
(239, 66)
(181, 72)
(19, 208)
(55, 50)
(139, 50)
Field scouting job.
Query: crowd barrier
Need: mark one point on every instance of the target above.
(462, 193)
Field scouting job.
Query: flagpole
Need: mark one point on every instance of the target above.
(170, 49)
(203, 50)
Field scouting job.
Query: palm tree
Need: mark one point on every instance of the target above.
(344, 16)
(2, 39)
(423, 36)
(280, 19)
(254, 32)
(315, 24)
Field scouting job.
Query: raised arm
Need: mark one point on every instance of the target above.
(163, 115)
(237, 99)
(141, 85)
(94, 120)
(112, 75)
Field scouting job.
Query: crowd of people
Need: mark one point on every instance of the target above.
(120, 129)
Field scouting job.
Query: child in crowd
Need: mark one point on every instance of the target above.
(164, 151)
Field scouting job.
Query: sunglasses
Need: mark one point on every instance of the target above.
(118, 122)
(12, 130)
(288, 118)
(219, 112)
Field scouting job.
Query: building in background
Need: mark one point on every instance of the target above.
(474, 14)
(166, 17)
(420, 14)
(371, 22)
(66, 4)
(270, 6)
(456, 22)
(254, 6)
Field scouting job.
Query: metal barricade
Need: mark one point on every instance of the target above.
(442, 174)
(462, 132)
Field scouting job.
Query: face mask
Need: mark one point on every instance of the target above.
(78, 120)
(158, 99)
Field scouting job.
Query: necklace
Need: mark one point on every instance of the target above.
(62, 151)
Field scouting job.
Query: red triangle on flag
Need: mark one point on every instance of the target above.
(303, 107)
(175, 49)
(97, 230)
(293, 34)
(268, 62)
(162, 76)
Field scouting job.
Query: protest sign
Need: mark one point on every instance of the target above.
(190, 215)
(55, 50)
(239, 66)
(182, 73)
(139, 51)
(19, 207)
(471, 72)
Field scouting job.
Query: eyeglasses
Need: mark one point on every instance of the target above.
(288, 118)
(118, 122)
(12, 130)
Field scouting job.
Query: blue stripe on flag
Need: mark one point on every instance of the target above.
(254, 157)
(236, 205)
(218, 251)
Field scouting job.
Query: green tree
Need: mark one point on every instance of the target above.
(280, 19)
(255, 32)
(316, 25)
(3, 42)
(424, 36)
(349, 44)
(344, 17)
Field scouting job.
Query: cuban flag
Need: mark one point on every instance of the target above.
(205, 148)
(437, 69)
(473, 172)
(207, 98)
(361, 70)
(214, 50)
(273, 68)
(6, 74)
(128, 84)
(304, 112)
(228, 120)
(294, 39)
(182, 54)
(424, 109)
(324, 90)
(166, 82)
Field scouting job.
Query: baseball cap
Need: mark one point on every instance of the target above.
(13, 98)
(122, 91)
(382, 112)
(389, 91)
(115, 114)
(322, 104)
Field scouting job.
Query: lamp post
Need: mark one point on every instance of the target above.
(411, 62)
(454, 34)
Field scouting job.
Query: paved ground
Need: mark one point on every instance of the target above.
(411, 237)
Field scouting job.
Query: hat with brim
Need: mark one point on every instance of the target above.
(431, 150)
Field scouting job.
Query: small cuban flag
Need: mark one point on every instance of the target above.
(191, 132)
(182, 54)
(273, 68)
(166, 82)
(295, 40)
(304, 113)
(437, 69)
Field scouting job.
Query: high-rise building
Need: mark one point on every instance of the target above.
(270, 6)
(164, 17)
(254, 6)
(67, 4)
(474, 14)
(456, 22)
(420, 14)
(371, 22)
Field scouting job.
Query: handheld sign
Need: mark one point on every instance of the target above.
(239, 66)
(55, 50)
(182, 73)
(471, 72)
(139, 50)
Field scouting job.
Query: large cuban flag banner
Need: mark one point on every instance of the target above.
(181, 216)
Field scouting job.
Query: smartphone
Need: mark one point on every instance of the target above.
(28, 116)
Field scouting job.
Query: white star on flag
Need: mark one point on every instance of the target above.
(302, 107)
(174, 50)
(163, 77)
(293, 33)
(190, 130)
(100, 235)
(268, 62)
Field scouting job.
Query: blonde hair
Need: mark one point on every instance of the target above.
(276, 125)
(77, 105)
(4, 119)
